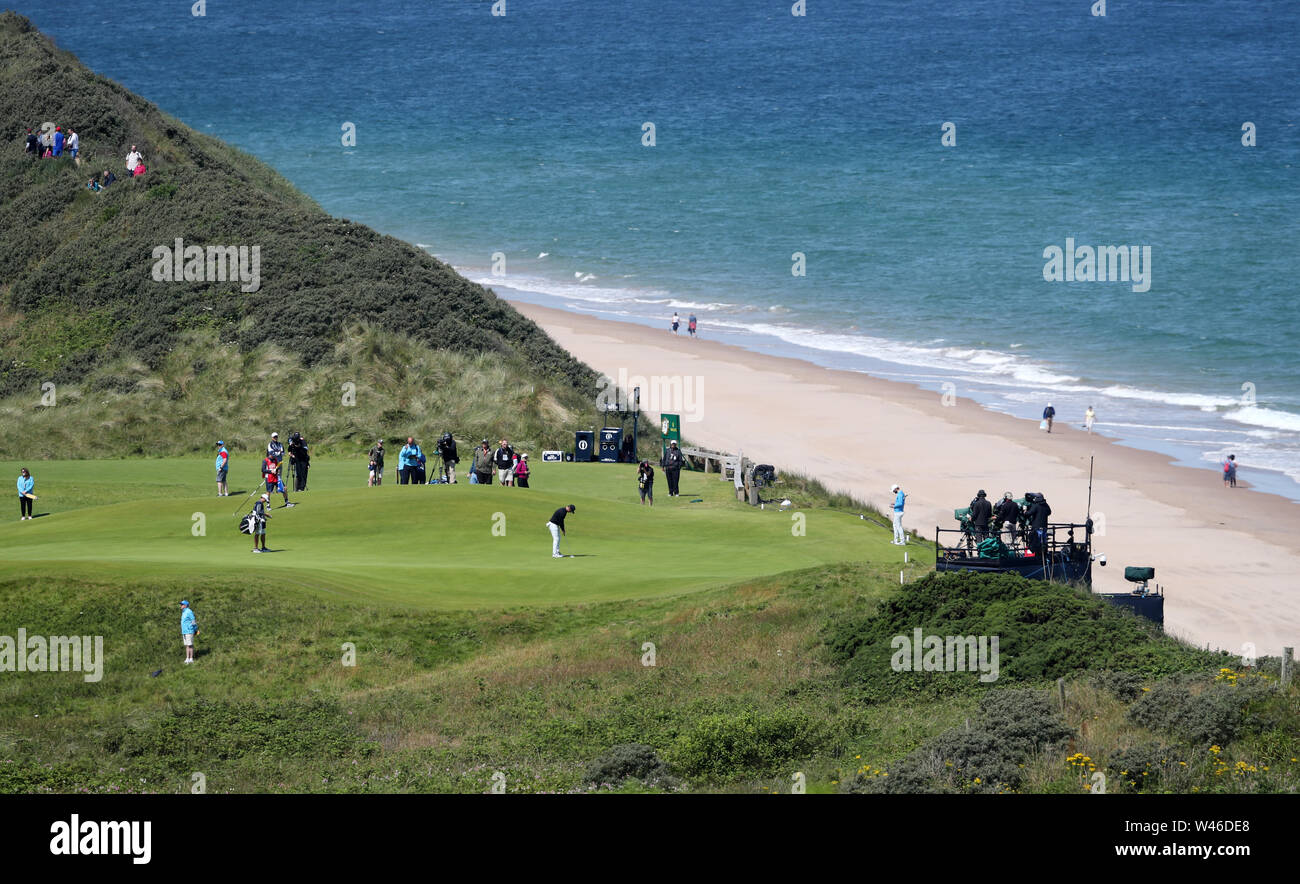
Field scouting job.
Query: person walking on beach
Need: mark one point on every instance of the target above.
(133, 159)
(676, 322)
(1230, 471)
(645, 482)
(1048, 413)
(556, 527)
(899, 500)
(1089, 418)
(672, 464)
(981, 512)
(189, 629)
(223, 467)
(504, 460)
(482, 464)
(1007, 515)
(521, 471)
(25, 496)
(261, 512)
(691, 325)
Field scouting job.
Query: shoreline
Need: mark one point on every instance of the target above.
(1226, 558)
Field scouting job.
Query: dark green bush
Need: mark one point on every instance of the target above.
(628, 760)
(1212, 715)
(1124, 685)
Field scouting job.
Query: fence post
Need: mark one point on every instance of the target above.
(1060, 689)
(1288, 664)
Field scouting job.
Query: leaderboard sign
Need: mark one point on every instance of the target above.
(671, 427)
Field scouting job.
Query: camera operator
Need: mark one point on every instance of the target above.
(299, 461)
(446, 449)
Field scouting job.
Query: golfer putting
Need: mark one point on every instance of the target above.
(556, 527)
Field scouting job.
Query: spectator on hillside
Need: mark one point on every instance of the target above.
(900, 499)
(504, 460)
(1008, 516)
(407, 460)
(299, 461)
(93, 184)
(58, 140)
(672, 464)
(26, 484)
(522, 471)
(32, 144)
(189, 629)
(74, 146)
(47, 143)
(376, 464)
(482, 464)
(981, 512)
(109, 177)
(645, 482)
(139, 170)
(447, 451)
(133, 159)
(223, 466)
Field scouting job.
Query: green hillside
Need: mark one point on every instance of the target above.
(76, 268)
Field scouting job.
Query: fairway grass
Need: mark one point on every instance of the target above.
(441, 546)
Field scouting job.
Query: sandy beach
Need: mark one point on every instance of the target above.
(1227, 559)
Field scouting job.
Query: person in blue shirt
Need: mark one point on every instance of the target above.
(1048, 414)
(25, 497)
(899, 499)
(408, 459)
(58, 141)
(223, 466)
(189, 629)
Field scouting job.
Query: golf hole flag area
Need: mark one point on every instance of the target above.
(443, 546)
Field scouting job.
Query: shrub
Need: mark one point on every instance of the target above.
(750, 744)
(628, 761)
(1212, 715)
(1125, 686)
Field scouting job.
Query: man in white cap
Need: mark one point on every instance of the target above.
(275, 454)
(899, 499)
(261, 512)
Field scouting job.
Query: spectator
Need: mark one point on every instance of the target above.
(521, 471)
(133, 159)
(109, 177)
(407, 460)
(32, 144)
(981, 511)
(47, 143)
(900, 499)
(261, 512)
(1048, 413)
(25, 496)
(139, 170)
(419, 469)
(93, 184)
(645, 482)
(1008, 515)
(74, 146)
(189, 629)
(59, 138)
(482, 464)
(376, 464)
(672, 464)
(447, 451)
(299, 461)
(504, 459)
(556, 526)
(222, 465)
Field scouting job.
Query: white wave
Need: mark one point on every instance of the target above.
(1192, 400)
(1265, 417)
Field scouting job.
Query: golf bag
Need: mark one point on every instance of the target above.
(247, 523)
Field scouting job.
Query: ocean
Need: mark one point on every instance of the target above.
(516, 148)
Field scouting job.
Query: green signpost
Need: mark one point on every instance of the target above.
(671, 427)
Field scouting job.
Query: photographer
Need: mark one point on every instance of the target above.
(1036, 514)
(446, 449)
(299, 461)
(981, 511)
(1008, 516)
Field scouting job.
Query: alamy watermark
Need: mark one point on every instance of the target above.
(214, 264)
(953, 653)
(58, 653)
(676, 394)
(1099, 264)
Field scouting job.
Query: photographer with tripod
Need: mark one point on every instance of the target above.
(299, 461)
(446, 449)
